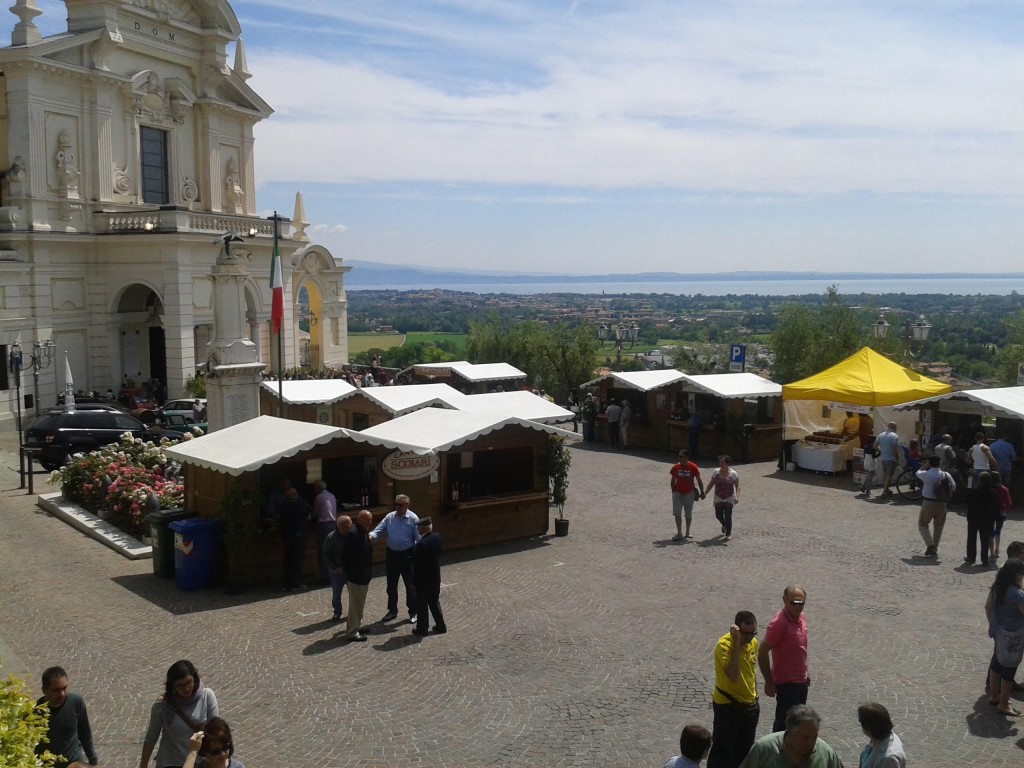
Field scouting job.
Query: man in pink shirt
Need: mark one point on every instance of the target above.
(786, 677)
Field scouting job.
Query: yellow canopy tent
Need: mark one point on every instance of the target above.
(866, 382)
(865, 378)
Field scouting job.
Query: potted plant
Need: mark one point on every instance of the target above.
(559, 459)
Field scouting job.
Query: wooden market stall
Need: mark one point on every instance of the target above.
(337, 403)
(470, 378)
(733, 410)
(480, 476)
(963, 414)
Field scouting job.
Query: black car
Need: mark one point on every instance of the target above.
(55, 436)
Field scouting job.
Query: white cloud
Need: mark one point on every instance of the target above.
(785, 98)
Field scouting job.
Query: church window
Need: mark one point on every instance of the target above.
(153, 152)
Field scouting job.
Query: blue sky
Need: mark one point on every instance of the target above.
(581, 137)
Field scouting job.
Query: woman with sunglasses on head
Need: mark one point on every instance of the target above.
(212, 747)
(176, 715)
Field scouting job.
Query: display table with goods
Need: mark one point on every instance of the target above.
(824, 452)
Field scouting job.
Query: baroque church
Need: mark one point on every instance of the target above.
(126, 156)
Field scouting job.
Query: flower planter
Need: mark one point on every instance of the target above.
(561, 526)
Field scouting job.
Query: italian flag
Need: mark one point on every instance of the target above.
(277, 287)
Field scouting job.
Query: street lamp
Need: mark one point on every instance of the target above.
(616, 336)
(41, 357)
(914, 333)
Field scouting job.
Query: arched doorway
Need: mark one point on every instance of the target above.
(309, 325)
(143, 345)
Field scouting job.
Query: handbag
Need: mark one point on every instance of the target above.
(869, 461)
(1009, 646)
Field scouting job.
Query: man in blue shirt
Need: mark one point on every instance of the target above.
(1005, 454)
(399, 525)
(888, 445)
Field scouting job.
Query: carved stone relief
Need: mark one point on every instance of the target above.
(122, 181)
(64, 157)
(189, 191)
(172, 10)
(234, 195)
(67, 295)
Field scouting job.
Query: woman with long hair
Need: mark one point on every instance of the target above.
(176, 715)
(1005, 611)
(726, 484)
(212, 747)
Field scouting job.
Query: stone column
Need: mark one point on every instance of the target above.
(232, 385)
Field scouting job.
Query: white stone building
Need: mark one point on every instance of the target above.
(126, 151)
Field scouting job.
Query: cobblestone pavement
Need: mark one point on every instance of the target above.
(590, 650)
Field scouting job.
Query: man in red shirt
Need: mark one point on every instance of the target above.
(786, 678)
(684, 475)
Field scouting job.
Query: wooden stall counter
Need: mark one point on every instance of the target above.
(493, 518)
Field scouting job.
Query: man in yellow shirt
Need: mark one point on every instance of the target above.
(735, 697)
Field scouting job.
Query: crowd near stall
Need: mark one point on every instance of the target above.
(708, 414)
(831, 416)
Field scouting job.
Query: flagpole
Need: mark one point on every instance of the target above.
(280, 355)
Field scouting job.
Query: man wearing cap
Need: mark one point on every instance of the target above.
(786, 677)
(399, 525)
(426, 576)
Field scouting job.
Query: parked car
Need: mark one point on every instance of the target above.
(173, 421)
(183, 407)
(137, 401)
(55, 436)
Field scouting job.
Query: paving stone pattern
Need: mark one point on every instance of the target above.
(590, 650)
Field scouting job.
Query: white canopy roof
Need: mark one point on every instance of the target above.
(251, 444)
(311, 391)
(521, 404)
(410, 397)
(434, 430)
(1006, 401)
(476, 372)
(720, 384)
(735, 385)
(642, 380)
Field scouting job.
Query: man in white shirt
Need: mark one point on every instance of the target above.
(937, 488)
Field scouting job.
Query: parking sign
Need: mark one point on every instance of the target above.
(737, 358)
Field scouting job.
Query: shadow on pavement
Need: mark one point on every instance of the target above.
(919, 560)
(986, 723)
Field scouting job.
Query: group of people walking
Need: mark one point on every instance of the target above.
(687, 487)
(185, 728)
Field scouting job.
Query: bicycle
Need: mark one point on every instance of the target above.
(907, 484)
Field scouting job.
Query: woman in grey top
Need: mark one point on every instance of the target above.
(175, 716)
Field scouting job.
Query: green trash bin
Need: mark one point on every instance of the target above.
(158, 523)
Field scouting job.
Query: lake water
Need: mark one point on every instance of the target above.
(718, 287)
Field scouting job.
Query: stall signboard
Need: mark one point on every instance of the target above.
(406, 465)
(444, 372)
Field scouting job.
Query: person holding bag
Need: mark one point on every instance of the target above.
(1005, 612)
(175, 716)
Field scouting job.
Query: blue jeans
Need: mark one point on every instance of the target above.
(338, 582)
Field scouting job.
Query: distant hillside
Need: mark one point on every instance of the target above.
(366, 273)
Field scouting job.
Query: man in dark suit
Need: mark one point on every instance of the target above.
(426, 576)
(356, 559)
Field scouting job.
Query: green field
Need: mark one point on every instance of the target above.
(363, 342)
(458, 340)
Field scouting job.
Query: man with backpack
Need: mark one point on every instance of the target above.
(937, 487)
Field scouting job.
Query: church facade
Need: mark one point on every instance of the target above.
(126, 156)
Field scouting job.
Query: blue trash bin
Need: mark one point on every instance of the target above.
(195, 552)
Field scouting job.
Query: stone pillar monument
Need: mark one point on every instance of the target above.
(233, 380)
